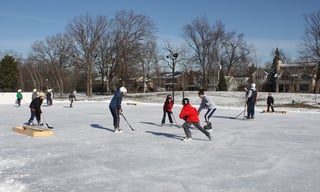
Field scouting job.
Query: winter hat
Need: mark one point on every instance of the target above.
(34, 90)
(41, 94)
(169, 96)
(19, 90)
(123, 90)
(253, 85)
(185, 101)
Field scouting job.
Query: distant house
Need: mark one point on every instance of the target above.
(297, 77)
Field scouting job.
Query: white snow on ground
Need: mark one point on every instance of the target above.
(274, 152)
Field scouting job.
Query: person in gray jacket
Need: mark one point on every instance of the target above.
(206, 103)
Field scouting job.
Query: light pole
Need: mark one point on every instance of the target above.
(173, 57)
(219, 68)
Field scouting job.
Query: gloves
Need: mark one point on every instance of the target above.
(185, 118)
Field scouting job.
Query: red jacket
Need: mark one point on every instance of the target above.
(168, 105)
(189, 114)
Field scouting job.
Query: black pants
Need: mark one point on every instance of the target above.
(250, 110)
(34, 113)
(209, 113)
(164, 117)
(270, 105)
(116, 117)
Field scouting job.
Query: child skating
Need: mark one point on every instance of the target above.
(167, 110)
(206, 103)
(190, 115)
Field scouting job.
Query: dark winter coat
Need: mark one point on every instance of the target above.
(35, 104)
(252, 96)
(168, 105)
(72, 97)
(189, 114)
(270, 100)
(116, 100)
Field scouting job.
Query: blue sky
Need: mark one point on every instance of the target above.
(266, 24)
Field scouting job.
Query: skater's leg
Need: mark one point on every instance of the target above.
(116, 118)
(198, 126)
(209, 114)
(170, 117)
(163, 118)
(33, 114)
(186, 127)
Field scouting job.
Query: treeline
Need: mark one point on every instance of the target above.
(122, 49)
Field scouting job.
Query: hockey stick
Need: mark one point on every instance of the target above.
(242, 112)
(127, 122)
(237, 115)
(49, 127)
(176, 124)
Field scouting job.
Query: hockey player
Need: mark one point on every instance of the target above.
(72, 97)
(115, 107)
(35, 109)
(251, 101)
(270, 102)
(167, 109)
(19, 97)
(49, 96)
(191, 117)
(206, 103)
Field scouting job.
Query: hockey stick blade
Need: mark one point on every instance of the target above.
(132, 129)
(49, 127)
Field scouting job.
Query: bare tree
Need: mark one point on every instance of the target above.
(204, 41)
(87, 32)
(235, 53)
(310, 45)
(132, 31)
(54, 53)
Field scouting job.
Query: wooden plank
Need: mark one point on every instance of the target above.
(33, 131)
(281, 111)
(132, 103)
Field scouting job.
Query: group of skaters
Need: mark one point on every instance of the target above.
(37, 99)
(188, 113)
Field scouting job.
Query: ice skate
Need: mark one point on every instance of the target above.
(186, 139)
(117, 130)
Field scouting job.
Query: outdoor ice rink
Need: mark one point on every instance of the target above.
(274, 152)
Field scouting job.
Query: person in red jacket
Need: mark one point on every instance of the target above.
(167, 109)
(191, 117)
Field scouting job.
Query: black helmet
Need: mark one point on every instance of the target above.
(169, 96)
(185, 101)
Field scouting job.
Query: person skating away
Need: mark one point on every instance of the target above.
(35, 109)
(19, 97)
(72, 98)
(49, 97)
(206, 103)
(251, 101)
(115, 107)
(270, 102)
(190, 115)
(167, 110)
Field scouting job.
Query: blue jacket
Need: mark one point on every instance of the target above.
(116, 100)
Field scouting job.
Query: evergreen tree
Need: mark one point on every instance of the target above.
(222, 86)
(8, 74)
(270, 85)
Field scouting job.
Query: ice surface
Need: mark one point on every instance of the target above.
(274, 152)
